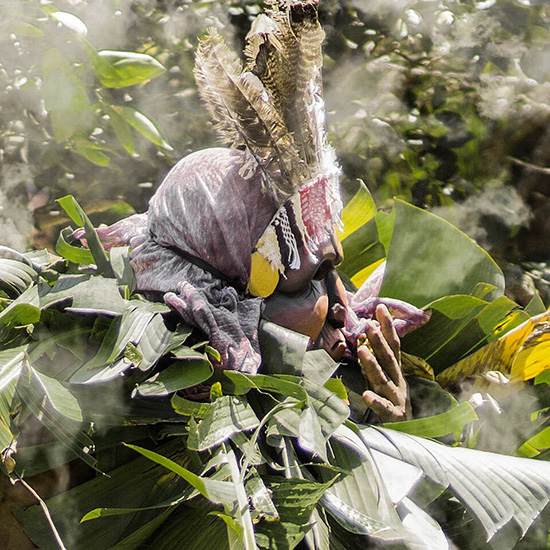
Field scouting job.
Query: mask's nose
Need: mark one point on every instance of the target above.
(312, 295)
(327, 256)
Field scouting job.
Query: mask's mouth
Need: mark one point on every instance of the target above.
(318, 310)
(303, 311)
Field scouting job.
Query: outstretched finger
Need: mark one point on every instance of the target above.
(384, 317)
(383, 408)
(377, 378)
(383, 352)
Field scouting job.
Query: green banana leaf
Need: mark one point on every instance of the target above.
(271, 461)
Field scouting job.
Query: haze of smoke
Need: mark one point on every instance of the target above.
(173, 100)
(376, 7)
(489, 217)
(15, 219)
(504, 415)
(359, 97)
(110, 24)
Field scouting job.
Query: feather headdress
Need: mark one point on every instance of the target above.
(271, 105)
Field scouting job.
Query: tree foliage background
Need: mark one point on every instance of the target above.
(444, 104)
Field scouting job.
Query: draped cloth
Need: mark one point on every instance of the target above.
(210, 210)
(192, 249)
(361, 309)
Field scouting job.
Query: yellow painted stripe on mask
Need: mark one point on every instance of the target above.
(263, 278)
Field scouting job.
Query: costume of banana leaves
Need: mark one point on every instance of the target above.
(269, 460)
(145, 355)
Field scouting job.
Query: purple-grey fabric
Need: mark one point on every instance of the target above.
(210, 206)
(361, 310)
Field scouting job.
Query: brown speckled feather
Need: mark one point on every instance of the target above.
(271, 106)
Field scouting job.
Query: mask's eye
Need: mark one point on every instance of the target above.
(323, 270)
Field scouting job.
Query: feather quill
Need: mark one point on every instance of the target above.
(273, 106)
(245, 115)
(284, 50)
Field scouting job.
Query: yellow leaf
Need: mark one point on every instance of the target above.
(360, 277)
(359, 210)
(521, 354)
(411, 365)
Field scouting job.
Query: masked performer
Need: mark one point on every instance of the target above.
(236, 233)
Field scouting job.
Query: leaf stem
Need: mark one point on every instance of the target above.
(15, 478)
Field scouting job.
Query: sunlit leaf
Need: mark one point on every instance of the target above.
(22, 312)
(260, 497)
(70, 21)
(242, 517)
(57, 408)
(177, 376)
(75, 212)
(310, 435)
(85, 294)
(11, 363)
(194, 409)
(75, 254)
(438, 425)
(358, 211)
(536, 305)
(144, 125)
(111, 360)
(362, 248)
(120, 262)
(16, 276)
(330, 408)
(217, 491)
(283, 350)
(421, 525)
(318, 367)
(295, 500)
(429, 258)
(118, 69)
(336, 386)
(122, 129)
(157, 340)
(359, 501)
(460, 324)
(212, 353)
(276, 384)
(540, 441)
(542, 378)
(411, 365)
(516, 489)
(522, 354)
(89, 150)
(225, 417)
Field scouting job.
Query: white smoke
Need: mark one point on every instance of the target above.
(494, 214)
(16, 221)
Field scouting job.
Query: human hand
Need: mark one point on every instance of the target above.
(389, 393)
